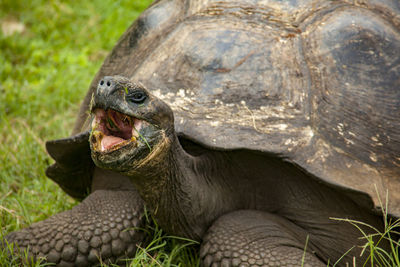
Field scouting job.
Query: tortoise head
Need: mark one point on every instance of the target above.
(130, 126)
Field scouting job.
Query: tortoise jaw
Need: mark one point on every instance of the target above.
(112, 130)
(121, 142)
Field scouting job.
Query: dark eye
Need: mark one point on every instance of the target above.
(137, 97)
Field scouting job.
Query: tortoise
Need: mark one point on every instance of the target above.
(245, 125)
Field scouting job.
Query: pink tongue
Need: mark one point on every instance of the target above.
(110, 141)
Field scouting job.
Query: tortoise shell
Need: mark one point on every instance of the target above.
(317, 82)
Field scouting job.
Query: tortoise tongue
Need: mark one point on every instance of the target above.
(112, 129)
(119, 124)
(109, 141)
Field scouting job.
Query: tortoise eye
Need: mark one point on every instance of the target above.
(137, 97)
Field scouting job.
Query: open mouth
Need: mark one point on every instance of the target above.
(112, 130)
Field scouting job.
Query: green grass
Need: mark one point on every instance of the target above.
(45, 71)
(372, 246)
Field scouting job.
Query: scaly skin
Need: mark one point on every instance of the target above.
(102, 226)
(255, 238)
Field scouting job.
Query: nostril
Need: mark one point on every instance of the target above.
(108, 83)
(101, 82)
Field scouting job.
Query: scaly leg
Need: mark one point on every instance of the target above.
(101, 227)
(255, 238)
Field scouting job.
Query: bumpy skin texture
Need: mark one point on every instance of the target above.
(255, 238)
(103, 226)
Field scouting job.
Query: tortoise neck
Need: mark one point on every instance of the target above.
(183, 192)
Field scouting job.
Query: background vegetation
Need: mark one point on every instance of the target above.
(49, 53)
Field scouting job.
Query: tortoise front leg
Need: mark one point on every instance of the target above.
(101, 227)
(255, 238)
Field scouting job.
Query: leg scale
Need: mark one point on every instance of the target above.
(254, 238)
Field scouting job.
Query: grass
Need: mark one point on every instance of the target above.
(165, 250)
(46, 67)
(376, 255)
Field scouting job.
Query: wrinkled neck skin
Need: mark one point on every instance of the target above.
(186, 193)
(182, 190)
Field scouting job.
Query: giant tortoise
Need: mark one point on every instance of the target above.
(246, 125)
